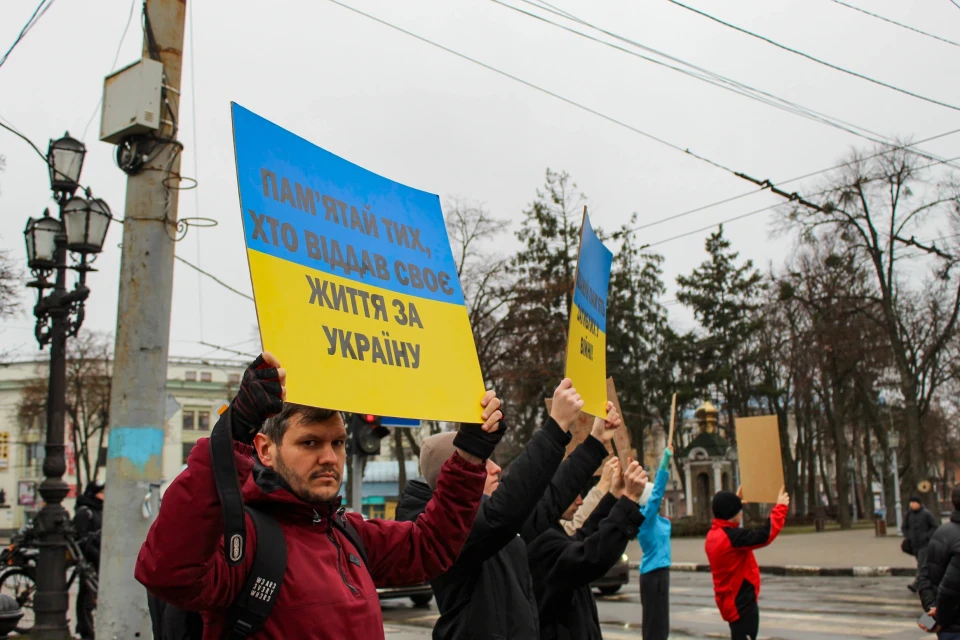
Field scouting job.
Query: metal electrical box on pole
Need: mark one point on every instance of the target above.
(138, 393)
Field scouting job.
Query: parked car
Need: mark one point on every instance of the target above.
(420, 594)
(618, 576)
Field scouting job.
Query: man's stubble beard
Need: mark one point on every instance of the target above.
(297, 486)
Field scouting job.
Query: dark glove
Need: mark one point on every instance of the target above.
(472, 439)
(260, 396)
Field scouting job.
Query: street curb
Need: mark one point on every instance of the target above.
(804, 571)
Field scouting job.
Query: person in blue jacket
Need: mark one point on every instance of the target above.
(654, 537)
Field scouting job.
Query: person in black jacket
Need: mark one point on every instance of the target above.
(939, 581)
(918, 527)
(488, 593)
(564, 566)
(88, 522)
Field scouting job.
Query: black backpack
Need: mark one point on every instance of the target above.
(251, 608)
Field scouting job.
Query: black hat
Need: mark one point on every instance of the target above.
(726, 505)
(916, 498)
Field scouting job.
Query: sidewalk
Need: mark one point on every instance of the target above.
(856, 552)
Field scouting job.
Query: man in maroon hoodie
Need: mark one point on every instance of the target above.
(292, 470)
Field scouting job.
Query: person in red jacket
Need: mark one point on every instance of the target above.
(292, 469)
(736, 576)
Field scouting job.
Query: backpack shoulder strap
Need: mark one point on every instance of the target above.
(228, 489)
(343, 524)
(251, 608)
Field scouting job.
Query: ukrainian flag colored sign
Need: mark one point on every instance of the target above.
(356, 288)
(587, 339)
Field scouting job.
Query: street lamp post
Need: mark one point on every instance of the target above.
(894, 440)
(80, 230)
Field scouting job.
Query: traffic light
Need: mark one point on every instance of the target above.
(366, 434)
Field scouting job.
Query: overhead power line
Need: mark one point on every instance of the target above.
(536, 87)
(572, 102)
(955, 3)
(676, 216)
(899, 24)
(698, 73)
(705, 75)
(215, 279)
(817, 60)
(801, 200)
(31, 23)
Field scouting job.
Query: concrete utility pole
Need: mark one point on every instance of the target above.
(137, 417)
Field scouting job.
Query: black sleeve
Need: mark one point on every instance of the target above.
(82, 519)
(501, 515)
(569, 480)
(741, 538)
(948, 594)
(562, 565)
(602, 510)
(930, 575)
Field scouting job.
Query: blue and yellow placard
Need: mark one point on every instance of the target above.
(355, 285)
(587, 338)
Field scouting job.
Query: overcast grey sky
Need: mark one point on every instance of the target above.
(426, 118)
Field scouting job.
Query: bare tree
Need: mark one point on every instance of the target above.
(878, 207)
(482, 273)
(88, 400)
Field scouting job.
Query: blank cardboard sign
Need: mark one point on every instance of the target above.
(580, 430)
(761, 462)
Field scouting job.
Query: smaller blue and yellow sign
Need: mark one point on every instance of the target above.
(587, 338)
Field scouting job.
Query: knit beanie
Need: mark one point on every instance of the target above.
(434, 451)
(726, 505)
(916, 498)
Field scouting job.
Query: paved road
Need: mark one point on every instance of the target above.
(791, 609)
(855, 548)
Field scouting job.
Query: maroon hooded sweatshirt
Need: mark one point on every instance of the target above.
(326, 593)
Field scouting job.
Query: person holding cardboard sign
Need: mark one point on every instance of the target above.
(488, 593)
(564, 566)
(654, 539)
(290, 460)
(736, 576)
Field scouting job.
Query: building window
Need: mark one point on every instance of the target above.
(206, 376)
(190, 376)
(187, 448)
(196, 420)
(234, 378)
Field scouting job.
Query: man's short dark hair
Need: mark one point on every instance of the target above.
(955, 497)
(276, 427)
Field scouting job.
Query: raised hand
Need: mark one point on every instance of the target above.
(260, 396)
(476, 442)
(603, 430)
(784, 497)
(617, 485)
(635, 479)
(611, 467)
(566, 405)
(491, 411)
